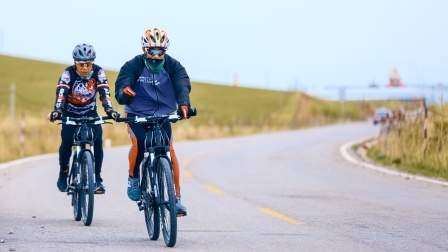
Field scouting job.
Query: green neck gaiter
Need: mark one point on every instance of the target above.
(154, 65)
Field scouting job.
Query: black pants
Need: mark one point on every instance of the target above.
(138, 131)
(65, 150)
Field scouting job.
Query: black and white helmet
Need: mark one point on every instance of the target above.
(84, 52)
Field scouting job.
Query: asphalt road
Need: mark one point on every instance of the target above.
(288, 191)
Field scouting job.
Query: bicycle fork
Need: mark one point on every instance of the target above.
(75, 183)
(153, 176)
(145, 200)
(154, 172)
(77, 180)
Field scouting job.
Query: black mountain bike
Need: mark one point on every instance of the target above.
(158, 199)
(81, 179)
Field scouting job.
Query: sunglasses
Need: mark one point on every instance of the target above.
(83, 63)
(155, 51)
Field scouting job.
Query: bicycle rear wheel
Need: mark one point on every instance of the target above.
(87, 189)
(152, 216)
(73, 183)
(168, 201)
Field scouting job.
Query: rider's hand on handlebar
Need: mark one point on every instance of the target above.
(113, 114)
(128, 95)
(52, 116)
(184, 111)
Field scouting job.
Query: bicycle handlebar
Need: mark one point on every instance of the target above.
(171, 118)
(83, 119)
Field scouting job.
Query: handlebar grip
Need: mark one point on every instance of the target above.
(194, 112)
(191, 112)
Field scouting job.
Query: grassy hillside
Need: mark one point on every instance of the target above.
(222, 110)
(36, 81)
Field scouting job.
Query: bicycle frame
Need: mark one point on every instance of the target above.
(81, 179)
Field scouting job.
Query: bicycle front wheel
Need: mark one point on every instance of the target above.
(74, 183)
(168, 201)
(87, 187)
(152, 216)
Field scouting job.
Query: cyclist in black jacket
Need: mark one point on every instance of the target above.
(76, 96)
(152, 83)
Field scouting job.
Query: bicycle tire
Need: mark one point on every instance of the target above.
(152, 214)
(167, 205)
(87, 190)
(73, 181)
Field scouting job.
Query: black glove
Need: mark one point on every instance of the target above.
(186, 112)
(113, 114)
(128, 95)
(52, 116)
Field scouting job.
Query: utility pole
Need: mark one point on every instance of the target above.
(12, 100)
(342, 99)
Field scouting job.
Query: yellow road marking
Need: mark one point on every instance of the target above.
(187, 162)
(280, 216)
(213, 189)
(188, 174)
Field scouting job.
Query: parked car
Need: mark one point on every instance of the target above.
(381, 115)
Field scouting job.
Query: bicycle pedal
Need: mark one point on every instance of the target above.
(181, 214)
(140, 205)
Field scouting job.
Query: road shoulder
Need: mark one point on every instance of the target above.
(358, 157)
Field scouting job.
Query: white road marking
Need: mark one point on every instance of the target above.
(344, 152)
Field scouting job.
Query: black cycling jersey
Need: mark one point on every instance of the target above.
(77, 95)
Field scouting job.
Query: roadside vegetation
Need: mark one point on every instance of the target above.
(417, 144)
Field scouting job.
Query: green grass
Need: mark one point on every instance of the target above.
(403, 145)
(407, 163)
(226, 105)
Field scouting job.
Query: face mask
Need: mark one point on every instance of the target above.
(87, 77)
(154, 65)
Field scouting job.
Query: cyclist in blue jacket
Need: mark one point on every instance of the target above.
(152, 83)
(76, 94)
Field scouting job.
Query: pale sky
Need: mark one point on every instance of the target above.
(266, 44)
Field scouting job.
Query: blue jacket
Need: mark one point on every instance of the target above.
(134, 71)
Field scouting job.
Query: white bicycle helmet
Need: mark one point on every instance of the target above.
(84, 52)
(155, 38)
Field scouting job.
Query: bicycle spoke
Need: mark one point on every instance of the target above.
(152, 217)
(87, 189)
(168, 208)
